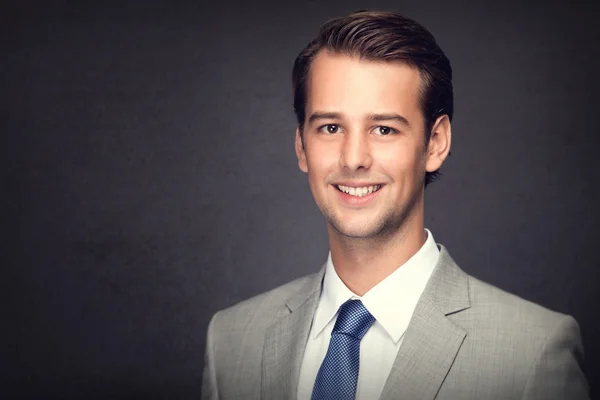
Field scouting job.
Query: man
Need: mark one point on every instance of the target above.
(390, 315)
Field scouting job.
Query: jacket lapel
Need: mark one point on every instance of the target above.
(285, 342)
(431, 341)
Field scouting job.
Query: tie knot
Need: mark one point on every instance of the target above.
(353, 319)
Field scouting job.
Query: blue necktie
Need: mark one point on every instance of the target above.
(338, 374)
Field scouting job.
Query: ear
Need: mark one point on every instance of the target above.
(439, 143)
(300, 153)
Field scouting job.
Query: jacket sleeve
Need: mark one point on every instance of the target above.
(210, 390)
(557, 372)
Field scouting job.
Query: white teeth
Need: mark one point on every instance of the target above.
(359, 192)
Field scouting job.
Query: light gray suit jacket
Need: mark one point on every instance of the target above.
(466, 340)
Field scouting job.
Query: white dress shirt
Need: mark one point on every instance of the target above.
(392, 302)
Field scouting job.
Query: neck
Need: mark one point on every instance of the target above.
(361, 263)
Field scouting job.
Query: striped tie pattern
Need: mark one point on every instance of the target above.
(338, 374)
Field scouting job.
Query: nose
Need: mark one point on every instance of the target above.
(356, 151)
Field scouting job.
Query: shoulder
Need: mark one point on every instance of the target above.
(543, 347)
(486, 307)
(236, 336)
(504, 307)
(261, 309)
(508, 323)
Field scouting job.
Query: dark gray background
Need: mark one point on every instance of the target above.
(150, 177)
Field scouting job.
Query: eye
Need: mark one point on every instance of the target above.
(330, 128)
(384, 130)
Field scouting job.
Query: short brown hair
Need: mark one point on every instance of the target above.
(383, 36)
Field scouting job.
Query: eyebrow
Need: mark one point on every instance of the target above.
(323, 115)
(389, 117)
(372, 117)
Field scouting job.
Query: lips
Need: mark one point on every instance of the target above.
(358, 191)
(357, 194)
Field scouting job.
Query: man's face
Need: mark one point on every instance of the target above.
(363, 134)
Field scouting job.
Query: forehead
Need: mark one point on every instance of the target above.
(354, 86)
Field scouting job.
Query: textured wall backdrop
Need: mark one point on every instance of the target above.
(151, 178)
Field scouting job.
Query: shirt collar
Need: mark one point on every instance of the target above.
(392, 301)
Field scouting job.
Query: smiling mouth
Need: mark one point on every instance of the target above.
(358, 191)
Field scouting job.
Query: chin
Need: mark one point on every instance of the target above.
(358, 230)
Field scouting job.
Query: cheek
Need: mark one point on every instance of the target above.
(321, 160)
(401, 163)
(396, 158)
